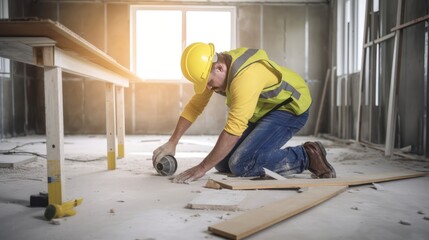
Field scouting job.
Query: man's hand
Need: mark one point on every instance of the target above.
(190, 175)
(223, 146)
(168, 148)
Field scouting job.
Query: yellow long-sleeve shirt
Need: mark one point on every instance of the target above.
(244, 92)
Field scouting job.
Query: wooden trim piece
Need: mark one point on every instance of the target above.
(379, 40)
(392, 107)
(77, 65)
(300, 183)
(16, 50)
(258, 219)
(322, 102)
(410, 23)
(44, 56)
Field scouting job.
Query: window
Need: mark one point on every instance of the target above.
(4, 62)
(160, 34)
(158, 45)
(4, 67)
(350, 24)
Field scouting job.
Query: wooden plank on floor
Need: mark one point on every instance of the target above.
(300, 183)
(224, 200)
(258, 219)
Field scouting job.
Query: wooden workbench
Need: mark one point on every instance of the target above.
(56, 49)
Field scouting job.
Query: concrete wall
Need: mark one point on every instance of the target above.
(413, 80)
(282, 32)
(412, 123)
(20, 103)
(153, 107)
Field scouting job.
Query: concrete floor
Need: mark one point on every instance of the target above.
(133, 202)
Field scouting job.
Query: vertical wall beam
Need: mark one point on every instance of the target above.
(425, 84)
(110, 126)
(12, 83)
(333, 100)
(346, 109)
(261, 29)
(306, 45)
(120, 118)
(2, 133)
(372, 73)
(392, 107)
(322, 102)
(25, 101)
(54, 133)
(362, 72)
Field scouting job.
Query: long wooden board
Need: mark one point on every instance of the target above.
(65, 39)
(300, 183)
(258, 219)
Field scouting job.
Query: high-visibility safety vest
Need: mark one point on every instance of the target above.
(290, 84)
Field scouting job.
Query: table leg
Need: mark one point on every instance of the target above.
(120, 118)
(54, 133)
(110, 126)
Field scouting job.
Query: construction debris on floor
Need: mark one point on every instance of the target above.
(373, 197)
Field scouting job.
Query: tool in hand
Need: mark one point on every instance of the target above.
(166, 166)
(62, 210)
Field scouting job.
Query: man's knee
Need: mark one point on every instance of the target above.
(236, 167)
(223, 168)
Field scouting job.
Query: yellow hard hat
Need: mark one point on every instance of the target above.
(196, 64)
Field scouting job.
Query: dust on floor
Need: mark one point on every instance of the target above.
(133, 202)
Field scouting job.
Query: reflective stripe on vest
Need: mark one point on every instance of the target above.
(238, 63)
(283, 86)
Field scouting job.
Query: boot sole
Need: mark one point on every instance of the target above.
(319, 144)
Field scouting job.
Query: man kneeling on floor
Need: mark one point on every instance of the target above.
(268, 104)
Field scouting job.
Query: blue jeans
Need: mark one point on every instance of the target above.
(260, 147)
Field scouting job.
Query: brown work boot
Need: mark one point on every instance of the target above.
(318, 164)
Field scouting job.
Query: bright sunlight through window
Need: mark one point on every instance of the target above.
(161, 35)
(204, 27)
(158, 45)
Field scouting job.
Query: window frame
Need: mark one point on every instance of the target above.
(4, 62)
(349, 60)
(183, 9)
